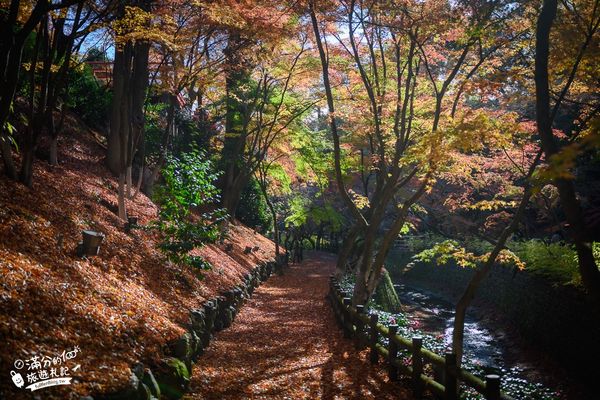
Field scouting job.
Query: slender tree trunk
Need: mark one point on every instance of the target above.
(54, 150)
(275, 223)
(140, 179)
(121, 197)
(458, 333)
(129, 181)
(275, 229)
(348, 245)
(578, 230)
(9, 167)
(26, 174)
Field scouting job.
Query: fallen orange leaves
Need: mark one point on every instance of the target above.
(285, 344)
(119, 307)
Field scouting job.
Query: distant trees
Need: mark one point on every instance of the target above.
(261, 98)
(57, 29)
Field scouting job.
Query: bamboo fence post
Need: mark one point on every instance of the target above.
(374, 338)
(359, 326)
(417, 366)
(392, 353)
(331, 287)
(346, 319)
(450, 381)
(492, 387)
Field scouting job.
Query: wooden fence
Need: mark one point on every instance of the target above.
(366, 331)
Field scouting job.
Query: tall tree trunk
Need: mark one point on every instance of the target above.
(26, 174)
(129, 181)
(121, 197)
(234, 146)
(578, 230)
(361, 293)
(130, 77)
(348, 245)
(53, 150)
(119, 81)
(9, 167)
(458, 332)
(11, 51)
(120, 127)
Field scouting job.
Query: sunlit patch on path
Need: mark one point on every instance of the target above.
(285, 344)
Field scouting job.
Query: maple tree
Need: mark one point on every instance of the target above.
(408, 57)
(362, 120)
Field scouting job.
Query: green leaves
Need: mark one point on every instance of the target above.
(303, 211)
(448, 250)
(189, 185)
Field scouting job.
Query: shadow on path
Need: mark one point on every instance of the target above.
(285, 344)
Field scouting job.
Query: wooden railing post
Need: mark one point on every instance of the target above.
(332, 282)
(333, 299)
(347, 320)
(450, 379)
(360, 327)
(392, 353)
(417, 367)
(373, 338)
(492, 387)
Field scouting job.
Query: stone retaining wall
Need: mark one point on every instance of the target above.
(556, 319)
(171, 377)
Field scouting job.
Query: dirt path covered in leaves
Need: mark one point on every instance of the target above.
(285, 344)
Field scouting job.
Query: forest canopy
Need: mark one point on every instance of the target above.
(468, 129)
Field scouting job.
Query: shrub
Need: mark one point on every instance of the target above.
(189, 186)
(555, 261)
(89, 98)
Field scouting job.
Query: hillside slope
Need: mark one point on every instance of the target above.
(119, 307)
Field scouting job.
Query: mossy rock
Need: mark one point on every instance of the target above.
(385, 294)
(197, 347)
(129, 392)
(182, 348)
(197, 318)
(173, 378)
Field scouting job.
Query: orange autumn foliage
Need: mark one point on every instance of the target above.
(119, 307)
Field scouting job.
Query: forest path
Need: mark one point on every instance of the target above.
(285, 344)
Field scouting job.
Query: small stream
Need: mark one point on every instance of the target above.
(436, 317)
(485, 350)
